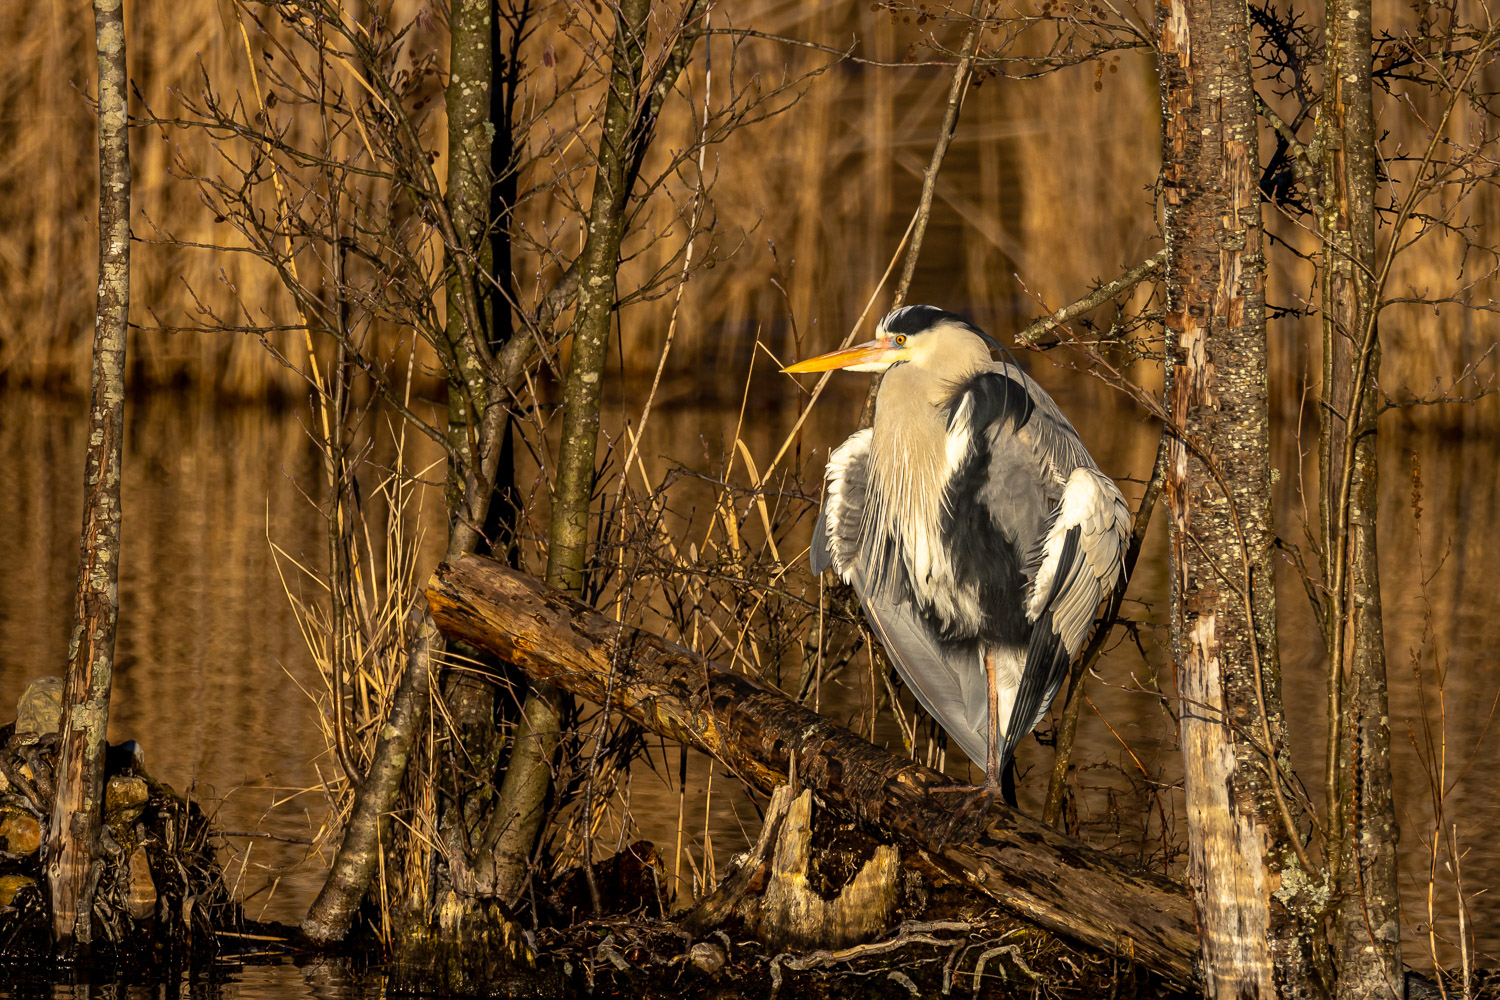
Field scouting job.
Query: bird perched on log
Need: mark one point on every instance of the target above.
(974, 526)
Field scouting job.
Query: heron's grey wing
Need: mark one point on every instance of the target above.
(1048, 431)
(946, 679)
(940, 675)
(1081, 560)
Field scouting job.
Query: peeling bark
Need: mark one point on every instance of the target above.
(1243, 860)
(1052, 880)
(1362, 828)
(73, 840)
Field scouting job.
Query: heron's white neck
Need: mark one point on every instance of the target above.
(910, 460)
(907, 452)
(911, 464)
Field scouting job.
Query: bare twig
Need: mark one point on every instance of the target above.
(1034, 331)
(956, 92)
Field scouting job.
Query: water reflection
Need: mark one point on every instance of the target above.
(213, 675)
(210, 667)
(278, 980)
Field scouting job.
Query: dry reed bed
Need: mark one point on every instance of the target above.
(1048, 179)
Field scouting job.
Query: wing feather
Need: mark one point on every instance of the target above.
(944, 678)
(846, 485)
(1081, 561)
(1047, 657)
(942, 675)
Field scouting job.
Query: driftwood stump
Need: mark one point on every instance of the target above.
(769, 890)
(795, 917)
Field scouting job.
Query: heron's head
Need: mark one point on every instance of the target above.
(923, 336)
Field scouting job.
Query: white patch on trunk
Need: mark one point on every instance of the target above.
(1226, 850)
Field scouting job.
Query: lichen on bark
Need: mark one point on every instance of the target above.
(1242, 825)
(73, 839)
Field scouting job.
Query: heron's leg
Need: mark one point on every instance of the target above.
(992, 761)
(998, 783)
(1008, 783)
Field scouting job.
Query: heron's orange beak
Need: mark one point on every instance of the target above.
(871, 356)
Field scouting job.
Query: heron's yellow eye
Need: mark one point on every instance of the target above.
(900, 340)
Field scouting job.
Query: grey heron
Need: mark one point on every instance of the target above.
(973, 525)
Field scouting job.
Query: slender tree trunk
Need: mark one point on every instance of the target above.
(369, 825)
(470, 68)
(499, 293)
(1362, 829)
(528, 776)
(470, 700)
(1242, 858)
(505, 84)
(74, 833)
(474, 429)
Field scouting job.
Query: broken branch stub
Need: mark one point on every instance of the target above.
(790, 914)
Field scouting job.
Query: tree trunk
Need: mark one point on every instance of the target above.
(474, 428)
(74, 833)
(1362, 829)
(477, 420)
(755, 731)
(1243, 862)
(528, 775)
(470, 64)
(368, 828)
(469, 701)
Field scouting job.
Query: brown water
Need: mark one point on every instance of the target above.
(315, 980)
(213, 676)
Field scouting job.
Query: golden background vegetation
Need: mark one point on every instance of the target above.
(1048, 187)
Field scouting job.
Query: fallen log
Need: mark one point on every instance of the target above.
(1027, 867)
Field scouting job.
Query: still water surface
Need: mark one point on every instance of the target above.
(271, 981)
(213, 676)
